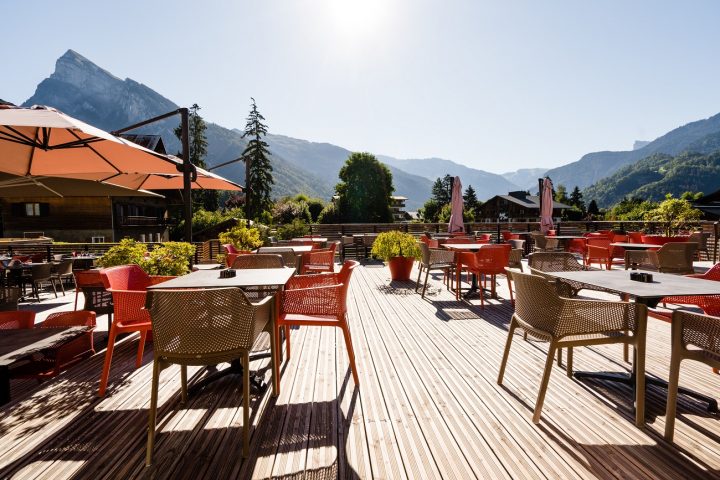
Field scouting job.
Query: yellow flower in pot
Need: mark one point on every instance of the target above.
(399, 250)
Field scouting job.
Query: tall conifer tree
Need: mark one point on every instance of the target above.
(258, 170)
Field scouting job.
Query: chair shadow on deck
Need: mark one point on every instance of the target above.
(112, 442)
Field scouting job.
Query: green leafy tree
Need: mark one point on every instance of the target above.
(442, 189)
(630, 209)
(288, 209)
(472, 204)
(207, 199)
(576, 199)
(561, 194)
(329, 214)
(430, 211)
(364, 190)
(259, 178)
(674, 214)
(315, 207)
(295, 229)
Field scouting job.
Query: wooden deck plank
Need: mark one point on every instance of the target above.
(428, 406)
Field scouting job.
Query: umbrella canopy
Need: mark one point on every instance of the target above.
(42, 141)
(546, 208)
(204, 180)
(456, 208)
(12, 186)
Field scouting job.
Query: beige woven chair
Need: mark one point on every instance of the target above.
(701, 333)
(515, 260)
(290, 259)
(673, 257)
(542, 262)
(543, 243)
(206, 327)
(701, 238)
(435, 259)
(574, 323)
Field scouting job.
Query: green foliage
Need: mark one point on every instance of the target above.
(242, 237)
(630, 209)
(315, 207)
(657, 175)
(329, 215)
(430, 211)
(576, 199)
(259, 179)
(442, 189)
(203, 219)
(296, 228)
(288, 209)
(395, 244)
(674, 214)
(445, 213)
(472, 204)
(593, 208)
(170, 258)
(127, 252)
(561, 194)
(364, 190)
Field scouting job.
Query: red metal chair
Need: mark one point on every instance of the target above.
(17, 319)
(635, 237)
(578, 246)
(128, 285)
(710, 304)
(317, 300)
(598, 251)
(490, 261)
(485, 237)
(507, 235)
(318, 261)
(52, 361)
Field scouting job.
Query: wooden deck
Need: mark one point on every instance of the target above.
(428, 407)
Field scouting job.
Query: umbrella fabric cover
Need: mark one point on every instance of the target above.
(456, 208)
(546, 210)
(43, 141)
(204, 180)
(12, 186)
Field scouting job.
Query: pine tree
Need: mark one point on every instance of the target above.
(439, 194)
(258, 178)
(208, 199)
(593, 208)
(561, 194)
(576, 199)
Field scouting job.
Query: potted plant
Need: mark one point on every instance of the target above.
(399, 250)
(167, 259)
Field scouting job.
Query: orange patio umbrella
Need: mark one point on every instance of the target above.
(42, 141)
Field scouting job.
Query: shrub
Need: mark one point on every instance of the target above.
(127, 252)
(170, 258)
(294, 229)
(315, 207)
(395, 244)
(329, 215)
(286, 210)
(242, 237)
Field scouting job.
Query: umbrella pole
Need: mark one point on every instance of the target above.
(187, 171)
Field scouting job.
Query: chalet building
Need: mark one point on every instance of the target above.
(90, 219)
(709, 205)
(516, 207)
(397, 204)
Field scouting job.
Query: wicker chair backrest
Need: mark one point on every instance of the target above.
(259, 260)
(677, 257)
(553, 262)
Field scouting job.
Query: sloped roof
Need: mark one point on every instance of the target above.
(530, 201)
(151, 142)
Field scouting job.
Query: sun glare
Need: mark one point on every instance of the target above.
(357, 19)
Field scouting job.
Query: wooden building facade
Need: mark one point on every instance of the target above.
(516, 207)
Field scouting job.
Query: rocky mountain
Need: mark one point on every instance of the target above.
(598, 165)
(84, 90)
(653, 177)
(486, 184)
(526, 178)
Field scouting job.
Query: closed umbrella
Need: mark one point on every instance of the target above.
(42, 141)
(456, 208)
(546, 207)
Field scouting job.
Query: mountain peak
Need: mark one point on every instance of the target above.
(77, 70)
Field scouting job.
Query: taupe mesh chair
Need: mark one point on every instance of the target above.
(694, 337)
(63, 271)
(348, 247)
(701, 238)
(205, 327)
(515, 260)
(542, 262)
(9, 297)
(575, 323)
(673, 257)
(290, 259)
(543, 243)
(435, 259)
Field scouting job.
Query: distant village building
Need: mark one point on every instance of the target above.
(397, 204)
(709, 205)
(90, 219)
(516, 207)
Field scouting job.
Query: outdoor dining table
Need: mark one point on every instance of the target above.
(246, 277)
(650, 294)
(298, 249)
(17, 344)
(472, 247)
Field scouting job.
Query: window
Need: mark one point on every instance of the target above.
(97, 239)
(30, 209)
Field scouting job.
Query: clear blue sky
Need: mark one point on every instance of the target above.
(496, 85)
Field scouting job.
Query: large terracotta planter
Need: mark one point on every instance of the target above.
(400, 267)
